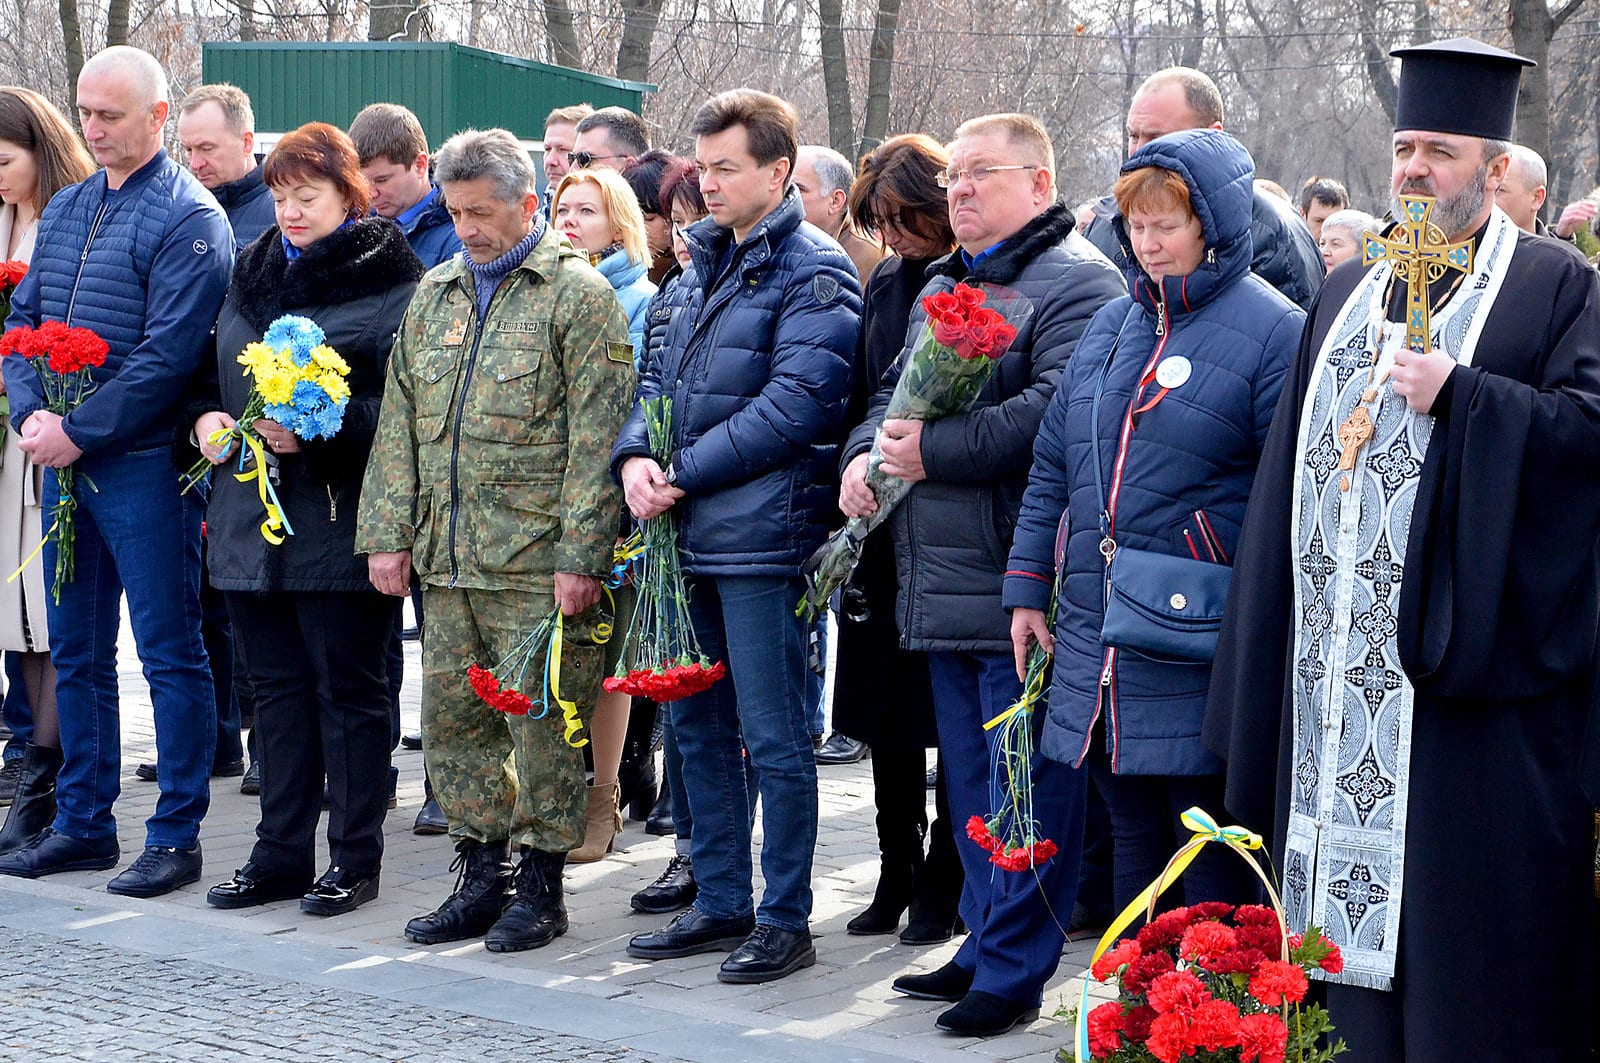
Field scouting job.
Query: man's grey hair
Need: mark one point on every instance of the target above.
(625, 131)
(138, 66)
(1530, 164)
(834, 172)
(235, 104)
(1493, 149)
(1199, 92)
(491, 153)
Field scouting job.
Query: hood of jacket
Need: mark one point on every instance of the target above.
(1220, 176)
(620, 271)
(365, 258)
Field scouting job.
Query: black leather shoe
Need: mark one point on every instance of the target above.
(253, 885)
(674, 890)
(430, 819)
(483, 886)
(926, 928)
(339, 891)
(983, 1014)
(251, 783)
(156, 871)
(145, 772)
(411, 741)
(841, 750)
(227, 769)
(660, 821)
(536, 915)
(690, 934)
(50, 853)
(769, 953)
(949, 982)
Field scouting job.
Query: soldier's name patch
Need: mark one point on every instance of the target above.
(529, 327)
(619, 352)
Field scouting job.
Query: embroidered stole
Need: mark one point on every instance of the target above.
(1352, 702)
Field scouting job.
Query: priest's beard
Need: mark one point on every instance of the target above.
(1452, 215)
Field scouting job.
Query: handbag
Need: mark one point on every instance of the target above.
(1161, 606)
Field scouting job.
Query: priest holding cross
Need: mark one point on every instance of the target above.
(1404, 680)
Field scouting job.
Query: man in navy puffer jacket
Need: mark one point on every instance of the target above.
(952, 534)
(141, 253)
(757, 364)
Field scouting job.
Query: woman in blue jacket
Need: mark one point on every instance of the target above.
(1153, 436)
(596, 210)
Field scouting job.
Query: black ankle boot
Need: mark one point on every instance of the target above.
(483, 883)
(34, 807)
(637, 773)
(896, 886)
(536, 916)
(661, 822)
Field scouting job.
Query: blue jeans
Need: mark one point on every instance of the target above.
(817, 680)
(17, 712)
(135, 534)
(1016, 921)
(748, 622)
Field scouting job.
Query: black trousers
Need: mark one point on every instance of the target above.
(899, 791)
(316, 663)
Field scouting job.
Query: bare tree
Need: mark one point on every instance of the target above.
(1533, 24)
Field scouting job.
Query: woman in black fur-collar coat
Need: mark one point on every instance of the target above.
(310, 631)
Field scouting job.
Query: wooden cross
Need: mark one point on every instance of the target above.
(1421, 255)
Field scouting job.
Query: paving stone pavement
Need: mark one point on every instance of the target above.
(396, 1000)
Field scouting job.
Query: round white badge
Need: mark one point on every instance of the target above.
(1173, 372)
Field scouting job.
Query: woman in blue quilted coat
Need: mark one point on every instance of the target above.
(1187, 368)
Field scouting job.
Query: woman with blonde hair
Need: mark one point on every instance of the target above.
(40, 154)
(596, 209)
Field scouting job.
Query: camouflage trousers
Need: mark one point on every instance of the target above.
(498, 776)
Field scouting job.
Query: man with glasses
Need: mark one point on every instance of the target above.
(762, 329)
(611, 137)
(953, 534)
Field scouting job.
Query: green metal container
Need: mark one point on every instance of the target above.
(450, 87)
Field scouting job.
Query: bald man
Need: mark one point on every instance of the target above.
(1522, 192)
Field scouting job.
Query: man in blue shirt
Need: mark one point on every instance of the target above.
(141, 253)
(394, 159)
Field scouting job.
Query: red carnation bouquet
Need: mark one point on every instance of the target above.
(661, 659)
(965, 332)
(1210, 982)
(539, 653)
(62, 356)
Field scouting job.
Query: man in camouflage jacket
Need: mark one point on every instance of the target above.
(510, 377)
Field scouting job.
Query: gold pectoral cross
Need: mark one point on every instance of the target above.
(1421, 254)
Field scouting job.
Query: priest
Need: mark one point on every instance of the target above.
(1404, 678)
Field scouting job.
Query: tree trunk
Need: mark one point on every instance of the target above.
(72, 35)
(836, 77)
(563, 34)
(474, 22)
(117, 23)
(247, 20)
(397, 20)
(1532, 26)
(880, 75)
(639, 21)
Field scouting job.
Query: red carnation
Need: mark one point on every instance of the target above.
(1169, 1039)
(1239, 961)
(1277, 981)
(1264, 936)
(979, 832)
(1204, 942)
(1145, 970)
(1215, 1026)
(1165, 930)
(1333, 962)
(1137, 1023)
(1105, 1029)
(1262, 1037)
(1106, 967)
(1209, 910)
(1177, 993)
(1255, 915)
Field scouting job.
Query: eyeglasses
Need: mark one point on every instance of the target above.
(977, 175)
(584, 159)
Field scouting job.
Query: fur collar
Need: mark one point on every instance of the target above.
(1020, 249)
(363, 259)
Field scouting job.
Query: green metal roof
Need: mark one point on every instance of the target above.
(450, 87)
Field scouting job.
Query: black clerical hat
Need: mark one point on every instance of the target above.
(1459, 86)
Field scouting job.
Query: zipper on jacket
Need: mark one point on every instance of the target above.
(333, 506)
(911, 580)
(455, 444)
(83, 260)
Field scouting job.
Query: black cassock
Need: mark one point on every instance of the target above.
(1498, 622)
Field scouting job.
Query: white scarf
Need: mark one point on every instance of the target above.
(1345, 859)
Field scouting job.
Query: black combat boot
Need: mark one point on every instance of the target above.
(34, 807)
(483, 885)
(535, 917)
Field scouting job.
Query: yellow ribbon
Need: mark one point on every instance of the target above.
(569, 709)
(269, 498)
(34, 552)
(1030, 694)
(1206, 830)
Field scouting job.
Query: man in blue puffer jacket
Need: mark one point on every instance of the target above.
(141, 253)
(757, 364)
